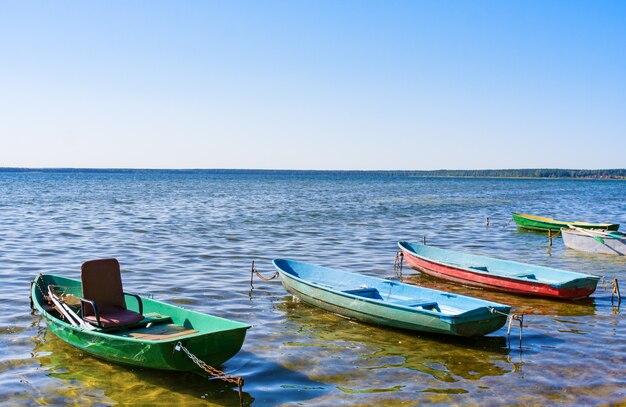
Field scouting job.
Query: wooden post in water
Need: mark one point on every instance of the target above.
(550, 236)
(616, 291)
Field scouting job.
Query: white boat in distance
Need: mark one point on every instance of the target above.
(595, 241)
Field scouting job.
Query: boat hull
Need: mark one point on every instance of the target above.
(532, 222)
(582, 242)
(576, 287)
(502, 284)
(481, 322)
(213, 346)
(160, 356)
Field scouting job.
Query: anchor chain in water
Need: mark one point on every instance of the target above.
(254, 271)
(397, 264)
(213, 372)
(512, 317)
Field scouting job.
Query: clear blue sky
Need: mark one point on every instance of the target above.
(313, 84)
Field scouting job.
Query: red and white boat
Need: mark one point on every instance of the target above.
(499, 275)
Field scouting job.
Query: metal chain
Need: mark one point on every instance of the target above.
(38, 287)
(216, 373)
(43, 295)
(36, 282)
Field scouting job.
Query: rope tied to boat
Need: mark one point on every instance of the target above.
(511, 317)
(213, 372)
(397, 264)
(254, 271)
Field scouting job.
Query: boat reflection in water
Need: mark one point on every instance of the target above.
(521, 304)
(86, 380)
(396, 356)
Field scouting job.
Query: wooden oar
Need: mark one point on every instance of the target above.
(62, 308)
(67, 312)
(616, 235)
(609, 234)
(597, 238)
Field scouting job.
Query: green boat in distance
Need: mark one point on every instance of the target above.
(149, 343)
(533, 222)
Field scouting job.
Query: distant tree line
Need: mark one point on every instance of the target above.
(510, 173)
(526, 173)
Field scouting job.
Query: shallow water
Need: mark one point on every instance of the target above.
(189, 238)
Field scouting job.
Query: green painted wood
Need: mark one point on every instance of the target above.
(544, 224)
(213, 339)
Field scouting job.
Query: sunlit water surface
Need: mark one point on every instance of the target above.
(189, 238)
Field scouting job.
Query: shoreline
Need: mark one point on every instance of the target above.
(594, 175)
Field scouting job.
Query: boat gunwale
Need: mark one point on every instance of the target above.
(497, 274)
(113, 335)
(383, 303)
(402, 324)
(594, 232)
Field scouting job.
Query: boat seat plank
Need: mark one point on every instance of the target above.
(529, 276)
(154, 318)
(151, 318)
(161, 332)
(415, 303)
(366, 292)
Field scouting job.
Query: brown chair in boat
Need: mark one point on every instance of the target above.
(103, 303)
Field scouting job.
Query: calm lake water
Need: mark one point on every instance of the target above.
(188, 238)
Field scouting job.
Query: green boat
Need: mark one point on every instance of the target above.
(154, 341)
(533, 222)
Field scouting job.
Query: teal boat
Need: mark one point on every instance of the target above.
(385, 302)
(151, 342)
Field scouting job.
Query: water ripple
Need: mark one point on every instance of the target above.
(189, 239)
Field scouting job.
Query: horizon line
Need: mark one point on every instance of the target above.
(293, 169)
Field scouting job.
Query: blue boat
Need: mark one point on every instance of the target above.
(385, 302)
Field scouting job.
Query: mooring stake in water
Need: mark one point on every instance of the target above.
(397, 264)
(254, 271)
(520, 318)
(512, 317)
(615, 291)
